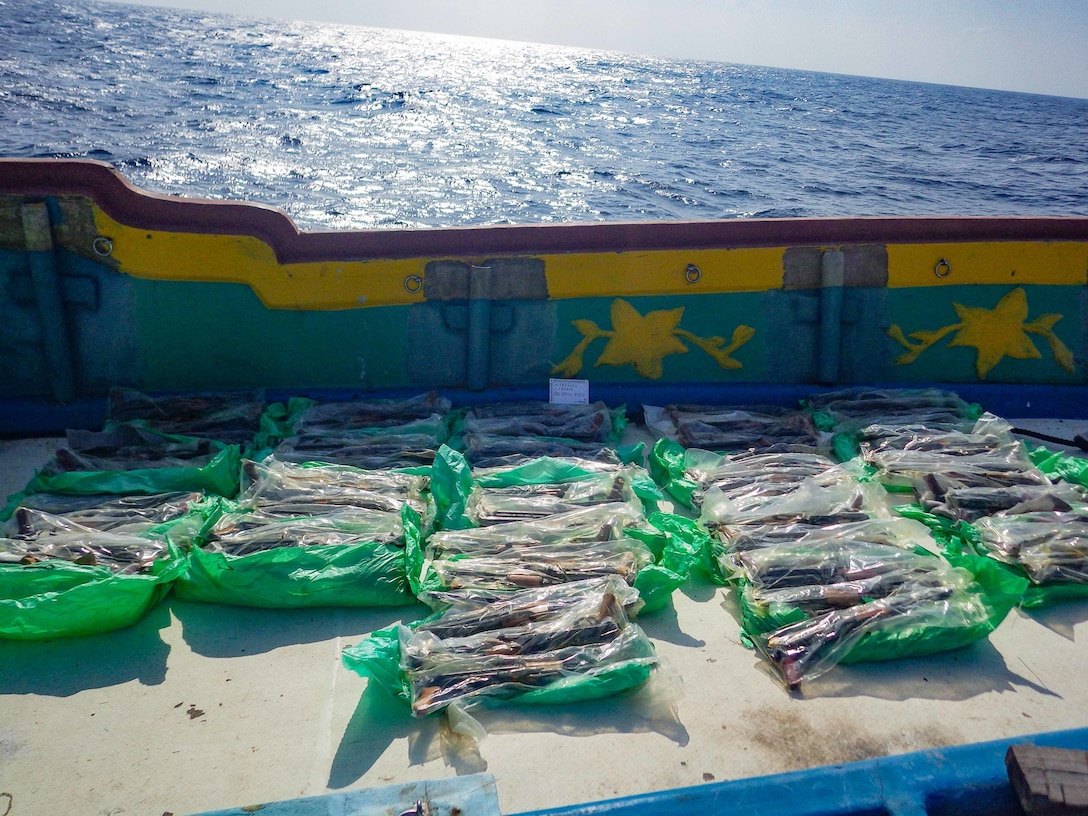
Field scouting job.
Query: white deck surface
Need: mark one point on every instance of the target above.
(202, 707)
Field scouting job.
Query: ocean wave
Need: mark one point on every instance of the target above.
(348, 127)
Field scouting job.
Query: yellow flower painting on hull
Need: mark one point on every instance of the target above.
(645, 340)
(995, 333)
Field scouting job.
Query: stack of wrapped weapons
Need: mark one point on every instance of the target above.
(801, 505)
(535, 571)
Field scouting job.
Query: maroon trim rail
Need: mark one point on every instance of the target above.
(144, 210)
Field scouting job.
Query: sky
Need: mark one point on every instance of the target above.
(1035, 46)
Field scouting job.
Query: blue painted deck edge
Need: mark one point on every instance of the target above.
(968, 779)
(36, 416)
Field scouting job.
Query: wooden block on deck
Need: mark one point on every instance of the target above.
(1049, 781)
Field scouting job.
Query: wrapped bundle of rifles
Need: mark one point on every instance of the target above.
(310, 535)
(1050, 548)
(964, 475)
(485, 562)
(132, 459)
(79, 565)
(539, 566)
(548, 520)
(768, 496)
(825, 575)
(231, 418)
(851, 409)
(372, 435)
(723, 429)
(862, 591)
(157, 445)
(556, 644)
(513, 432)
(531, 488)
(688, 474)
(959, 462)
(93, 541)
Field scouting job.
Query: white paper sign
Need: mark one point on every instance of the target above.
(568, 392)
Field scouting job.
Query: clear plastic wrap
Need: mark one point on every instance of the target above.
(350, 557)
(989, 433)
(730, 428)
(1050, 547)
(584, 423)
(959, 496)
(373, 435)
(830, 495)
(942, 607)
(842, 560)
(128, 447)
(498, 505)
(288, 488)
(544, 468)
(753, 476)
(575, 634)
(733, 541)
(121, 553)
(365, 451)
(248, 532)
(131, 460)
(497, 450)
(594, 523)
(999, 466)
(233, 418)
(470, 614)
(535, 488)
(75, 584)
(39, 512)
(933, 408)
(337, 417)
(584, 543)
(809, 604)
(523, 566)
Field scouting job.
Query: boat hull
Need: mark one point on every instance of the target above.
(109, 285)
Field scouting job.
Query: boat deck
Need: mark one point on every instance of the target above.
(203, 707)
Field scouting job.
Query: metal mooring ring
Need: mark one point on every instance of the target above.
(412, 284)
(102, 246)
(943, 269)
(692, 273)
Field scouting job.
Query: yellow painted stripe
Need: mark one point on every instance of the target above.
(354, 284)
(631, 274)
(1058, 263)
(333, 285)
(243, 259)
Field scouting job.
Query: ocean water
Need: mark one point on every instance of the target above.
(348, 128)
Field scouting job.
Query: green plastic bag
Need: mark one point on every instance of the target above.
(666, 463)
(451, 486)
(985, 595)
(362, 574)
(965, 599)
(378, 658)
(219, 476)
(692, 546)
(1035, 596)
(60, 599)
(1060, 465)
(675, 556)
(627, 659)
(452, 483)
